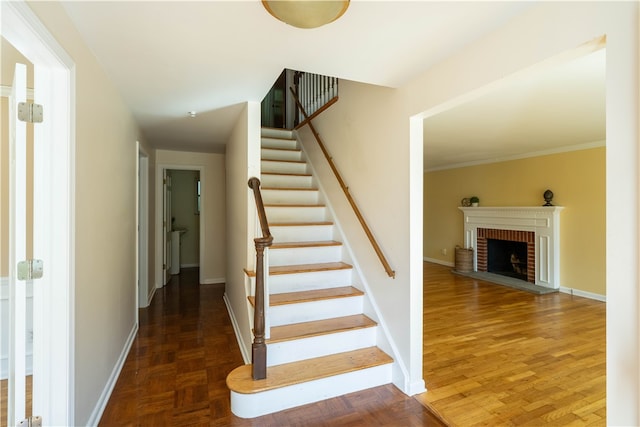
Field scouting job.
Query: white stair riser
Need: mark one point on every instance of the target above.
(255, 405)
(301, 233)
(283, 167)
(278, 154)
(286, 143)
(299, 197)
(296, 213)
(314, 310)
(309, 281)
(318, 346)
(311, 255)
(295, 181)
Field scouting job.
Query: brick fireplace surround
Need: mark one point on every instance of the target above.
(527, 237)
(539, 227)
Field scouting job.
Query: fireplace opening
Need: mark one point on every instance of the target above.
(507, 258)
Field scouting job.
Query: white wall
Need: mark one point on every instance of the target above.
(243, 162)
(213, 219)
(369, 135)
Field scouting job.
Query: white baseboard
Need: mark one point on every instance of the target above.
(246, 354)
(151, 295)
(439, 261)
(113, 378)
(214, 281)
(584, 294)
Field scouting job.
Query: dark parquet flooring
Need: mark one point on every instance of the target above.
(185, 347)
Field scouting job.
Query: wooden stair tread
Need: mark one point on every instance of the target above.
(319, 327)
(285, 161)
(303, 268)
(289, 188)
(277, 138)
(287, 174)
(313, 244)
(312, 295)
(281, 149)
(299, 224)
(240, 380)
(293, 205)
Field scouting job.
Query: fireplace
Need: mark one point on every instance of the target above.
(520, 242)
(509, 253)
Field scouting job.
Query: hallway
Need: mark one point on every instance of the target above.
(176, 370)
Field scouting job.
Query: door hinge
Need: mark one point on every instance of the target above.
(30, 269)
(31, 422)
(164, 266)
(30, 113)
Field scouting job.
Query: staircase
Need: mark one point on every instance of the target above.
(321, 344)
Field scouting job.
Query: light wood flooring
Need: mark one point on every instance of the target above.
(495, 356)
(185, 348)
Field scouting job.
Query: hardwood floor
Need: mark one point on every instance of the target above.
(496, 356)
(176, 370)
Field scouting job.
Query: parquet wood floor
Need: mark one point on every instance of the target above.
(495, 356)
(176, 370)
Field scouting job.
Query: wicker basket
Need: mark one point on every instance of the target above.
(464, 260)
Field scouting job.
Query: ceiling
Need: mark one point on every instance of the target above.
(168, 58)
(557, 108)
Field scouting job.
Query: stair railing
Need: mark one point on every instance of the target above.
(259, 348)
(345, 188)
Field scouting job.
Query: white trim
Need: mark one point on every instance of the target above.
(54, 210)
(189, 265)
(246, 353)
(584, 294)
(555, 150)
(101, 404)
(142, 225)
(439, 261)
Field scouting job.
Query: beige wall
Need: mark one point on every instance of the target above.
(213, 215)
(577, 179)
(105, 218)
(242, 162)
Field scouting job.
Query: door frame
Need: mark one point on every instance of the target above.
(160, 236)
(142, 226)
(54, 207)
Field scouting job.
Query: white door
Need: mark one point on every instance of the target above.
(17, 316)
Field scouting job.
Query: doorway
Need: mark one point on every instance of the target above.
(180, 194)
(52, 211)
(144, 294)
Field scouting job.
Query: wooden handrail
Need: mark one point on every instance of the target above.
(345, 189)
(259, 348)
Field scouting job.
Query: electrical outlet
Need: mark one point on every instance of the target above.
(443, 251)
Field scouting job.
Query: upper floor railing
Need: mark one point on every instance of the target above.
(314, 92)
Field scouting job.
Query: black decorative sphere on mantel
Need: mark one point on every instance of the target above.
(548, 197)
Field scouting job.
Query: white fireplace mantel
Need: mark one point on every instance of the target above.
(544, 221)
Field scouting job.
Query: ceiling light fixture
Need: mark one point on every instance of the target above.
(192, 113)
(306, 13)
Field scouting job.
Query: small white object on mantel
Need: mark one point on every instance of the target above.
(544, 221)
